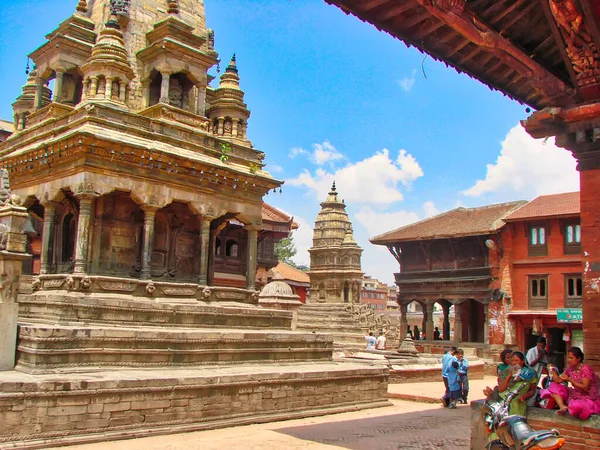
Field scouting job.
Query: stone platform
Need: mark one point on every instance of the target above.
(53, 409)
(335, 320)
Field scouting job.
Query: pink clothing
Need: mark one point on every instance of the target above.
(581, 404)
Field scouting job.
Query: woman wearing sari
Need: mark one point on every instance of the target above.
(521, 379)
(582, 399)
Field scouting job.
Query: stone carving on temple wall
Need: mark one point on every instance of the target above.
(579, 43)
(4, 185)
(120, 6)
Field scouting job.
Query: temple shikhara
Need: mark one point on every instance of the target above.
(133, 186)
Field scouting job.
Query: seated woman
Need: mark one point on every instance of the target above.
(503, 369)
(583, 399)
(522, 379)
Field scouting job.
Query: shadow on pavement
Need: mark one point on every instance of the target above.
(422, 430)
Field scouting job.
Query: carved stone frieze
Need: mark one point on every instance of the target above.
(179, 291)
(226, 295)
(117, 285)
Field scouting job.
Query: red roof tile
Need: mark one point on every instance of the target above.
(289, 273)
(272, 214)
(566, 204)
(454, 223)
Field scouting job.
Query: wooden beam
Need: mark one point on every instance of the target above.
(482, 35)
(390, 13)
(560, 43)
(516, 18)
(368, 5)
(431, 29)
(506, 11)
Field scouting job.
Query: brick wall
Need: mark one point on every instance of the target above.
(590, 224)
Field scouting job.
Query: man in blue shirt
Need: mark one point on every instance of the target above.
(463, 374)
(447, 360)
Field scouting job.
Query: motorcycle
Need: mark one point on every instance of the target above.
(512, 431)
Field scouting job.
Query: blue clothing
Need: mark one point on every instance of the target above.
(447, 361)
(463, 366)
(371, 340)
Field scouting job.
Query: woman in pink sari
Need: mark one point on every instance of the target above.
(583, 399)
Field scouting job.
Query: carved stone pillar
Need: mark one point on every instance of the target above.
(446, 330)
(47, 255)
(221, 122)
(164, 86)
(403, 322)
(83, 232)
(429, 323)
(204, 250)
(149, 216)
(252, 253)
(39, 92)
(58, 85)
(234, 127)
(93, 87)
(122, 91)
(200, 99)
(146, 93)
(457, 323)
(108, 88)
(86, 87)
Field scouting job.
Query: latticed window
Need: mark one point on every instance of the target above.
(538, 292)
(538, 244)
(572, 238)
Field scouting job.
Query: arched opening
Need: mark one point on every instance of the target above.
(33, 229)
(346, 292)
(69, 234)
(155, 83)
(472, 318)
(415, 315)
(180, 89)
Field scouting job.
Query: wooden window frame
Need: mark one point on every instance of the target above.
(538, 301)
(537, 249)
(574, 301)
(572, 248)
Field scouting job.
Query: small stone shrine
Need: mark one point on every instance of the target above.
(144, 318)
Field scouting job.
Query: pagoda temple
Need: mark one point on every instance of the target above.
(335, 272)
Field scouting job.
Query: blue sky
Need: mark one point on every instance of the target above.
(404, 136)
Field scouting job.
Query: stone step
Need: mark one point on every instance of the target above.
(125, 310)
(325, 315)
(117, 404)
(43, 348)
(329, 330)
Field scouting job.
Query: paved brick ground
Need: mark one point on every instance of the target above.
(405, 425)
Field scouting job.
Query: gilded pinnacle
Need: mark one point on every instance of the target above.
(173, 7)
(82, 7)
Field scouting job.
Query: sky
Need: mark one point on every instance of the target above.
(403, 136)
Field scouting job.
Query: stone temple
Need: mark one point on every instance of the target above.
(137, 181)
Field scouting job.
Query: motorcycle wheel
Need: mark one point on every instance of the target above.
(496, 445)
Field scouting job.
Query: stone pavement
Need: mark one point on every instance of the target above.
(405, 425)
(408, 425)
(431, 392)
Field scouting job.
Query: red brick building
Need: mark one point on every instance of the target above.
(543, 242)
(374, 293)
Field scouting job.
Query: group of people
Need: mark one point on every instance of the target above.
(575, 391)
(455, 373)
(376, 343)
(416, 334)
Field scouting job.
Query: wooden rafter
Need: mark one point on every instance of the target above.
(516, 18)
(368, 5)
(560, 44)
(393, 12)
(436, 25)
(482, 35)
(505, 12)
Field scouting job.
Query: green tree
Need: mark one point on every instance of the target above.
(285, 250)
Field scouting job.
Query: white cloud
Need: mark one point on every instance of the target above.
(274, 168)
(303, 241)
(373, 180)
(382, 222)
(320, 153)
(407, 83)
(429, 209)
(528, 167)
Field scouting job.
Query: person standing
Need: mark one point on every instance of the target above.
(447, 360)
(537, 358)
(380, 343)
(436, 334)
(371, 341)
(416, 333)
(463, 374)
(453, 393)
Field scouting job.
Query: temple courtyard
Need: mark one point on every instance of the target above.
(422, 425)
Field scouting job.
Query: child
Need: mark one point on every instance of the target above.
(463, 374)
(454, 391)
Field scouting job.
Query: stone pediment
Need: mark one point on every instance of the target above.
(52, 111)
(171, 113)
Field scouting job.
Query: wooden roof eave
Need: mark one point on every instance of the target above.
(550, 88)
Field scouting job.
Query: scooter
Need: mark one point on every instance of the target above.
(513, 431)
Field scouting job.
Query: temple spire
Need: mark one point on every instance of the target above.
(333, 191)
(232, 67)
(82, 7)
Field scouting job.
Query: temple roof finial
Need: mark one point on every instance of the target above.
(232, 67)
(82, 7)
(333, 191)
(173, 7)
